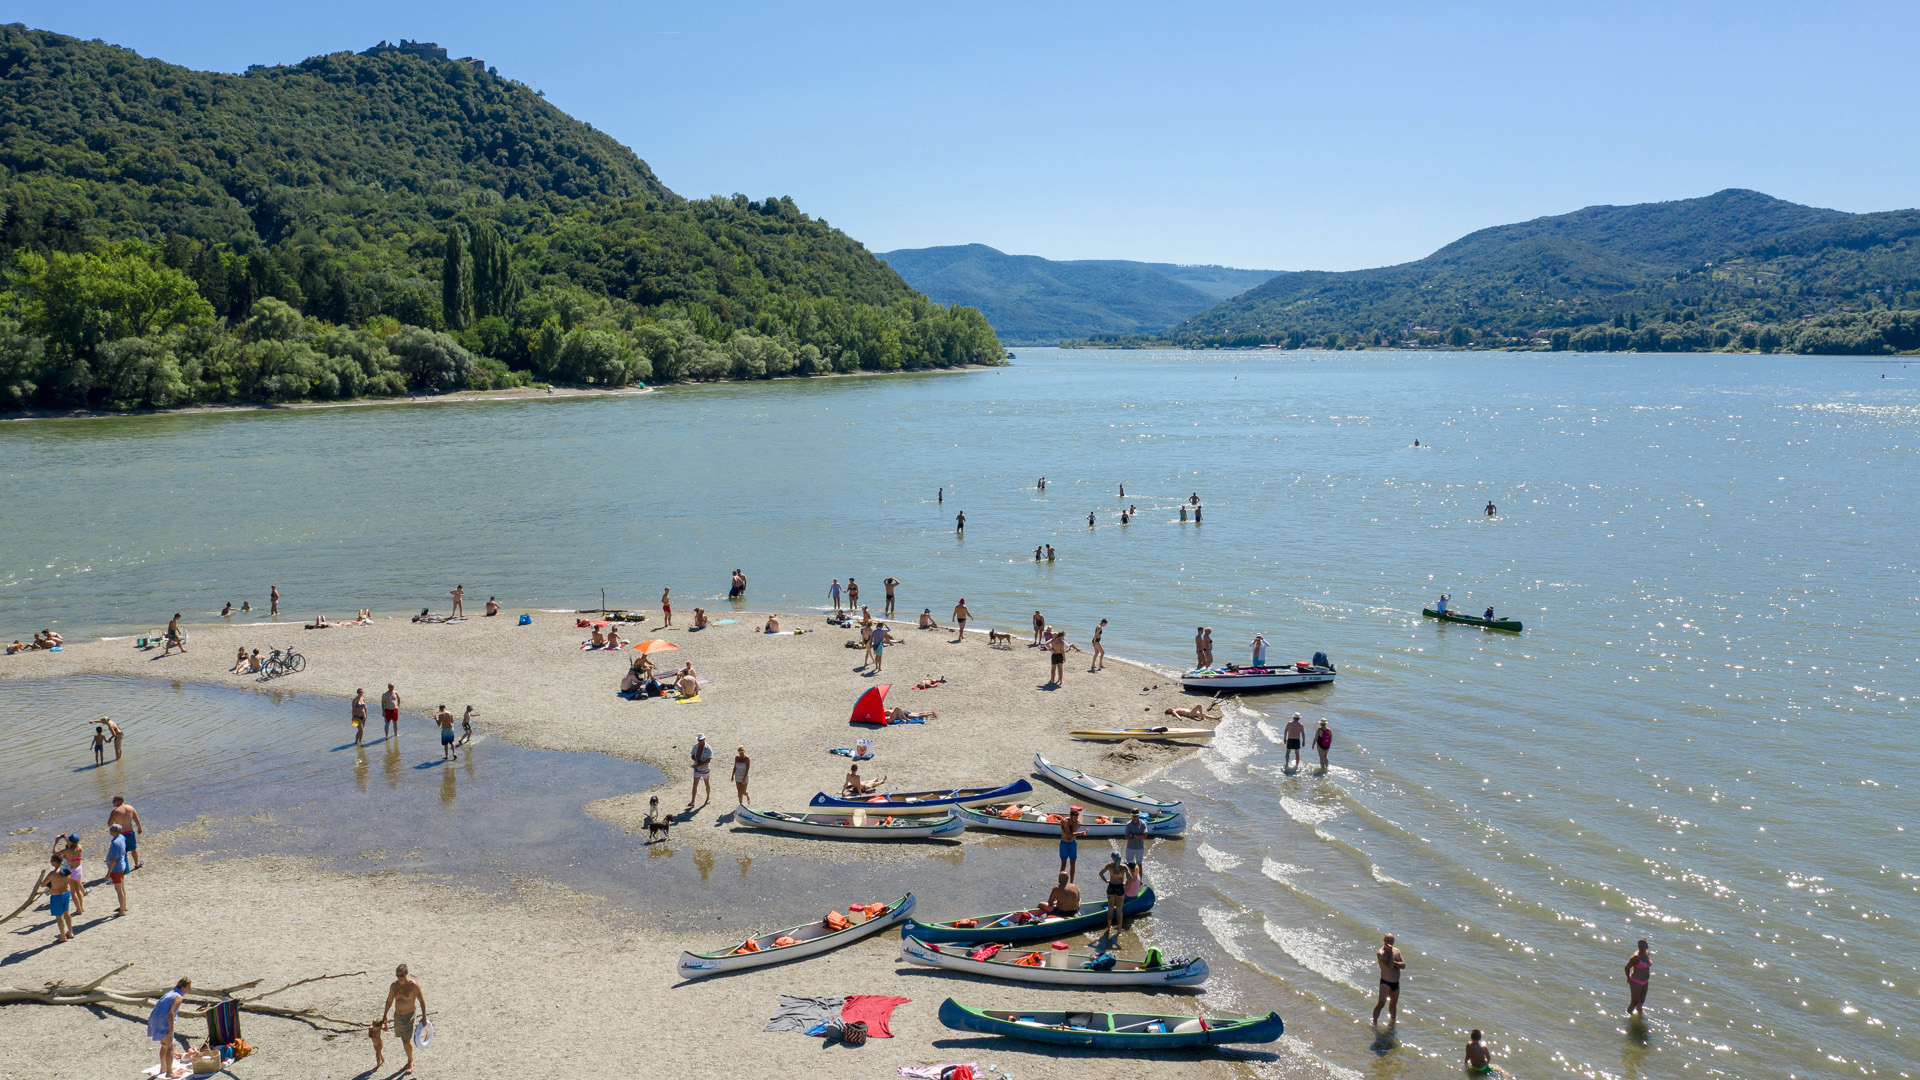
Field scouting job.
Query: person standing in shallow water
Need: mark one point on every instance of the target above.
(1089, 519)
(833, 594)
(1323, 742)
(960, 522)
(1392, 962)
(357, 715)
(273, 597)
(890, 584)
(1639, 969)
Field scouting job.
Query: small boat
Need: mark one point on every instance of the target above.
(1236, 679)
(1113, 1031)
(1015, 818)
(1149, 734)
(844, 826)
(1103, 791)
(987, 929)
(918, 799)
(811, 939)
(1511, 625)
(1005, 964)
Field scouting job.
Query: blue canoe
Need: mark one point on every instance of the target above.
(1112, 1031)
(913, 800)
(1091, 917)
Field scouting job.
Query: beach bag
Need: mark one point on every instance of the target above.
(1324, 740)
(526, 620)
(423, 1034)
(241, 1049)
(1152, 960)
(957, 1072)
(854, 1034)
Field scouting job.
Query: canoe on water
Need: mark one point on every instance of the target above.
(893, 800)
(1004, 964)
(1512, 625)
(1025, 819)
(1149, 734)
(811, 939)
(839, 825)
(1113, 1031)
(1101, 790)
(987, 929)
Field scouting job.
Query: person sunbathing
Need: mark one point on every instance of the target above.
(255, 665)
(240, 660)
(688, 685)
(613, 638)
(927, 621)
(700, 618)
(423, 616)
(364, 615)
(929, 682)
(319, 623)
(773, 624)
(897, 715)
(854, 786)
(493, 606)
(1197, 712)
(599, 638)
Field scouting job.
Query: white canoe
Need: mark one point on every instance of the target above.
(956, 957)
(839, 824)
(1245, 679)
(1035, 823)
(811, 939)
(1151, 734)
(1102, 791)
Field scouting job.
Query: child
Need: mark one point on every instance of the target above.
(99, 745)
(379, 1046)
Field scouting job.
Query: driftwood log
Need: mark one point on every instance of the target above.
(96, 993)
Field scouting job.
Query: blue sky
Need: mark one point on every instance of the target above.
(1276, 136)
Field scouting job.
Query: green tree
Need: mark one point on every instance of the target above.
(456, 283)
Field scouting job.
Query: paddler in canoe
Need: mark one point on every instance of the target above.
(1440, 605)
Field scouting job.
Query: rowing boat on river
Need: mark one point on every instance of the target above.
(895, 800)
(986, 929)
(1020, 964)
(845, 825)
(1025, 819)
(1510, 625)
(1245, 680)
(1100, 790)
(1150, 734)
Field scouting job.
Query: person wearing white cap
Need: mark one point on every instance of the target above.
(702, 767)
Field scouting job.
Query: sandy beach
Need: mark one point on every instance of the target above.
(547, 981)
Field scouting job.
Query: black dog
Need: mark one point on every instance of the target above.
(658, 828)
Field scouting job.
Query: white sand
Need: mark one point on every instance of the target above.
(548, 983)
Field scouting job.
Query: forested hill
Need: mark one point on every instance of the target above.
(408, 223)
(1031, 300)
(1734, 270)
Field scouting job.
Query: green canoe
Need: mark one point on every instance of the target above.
(1512, 625)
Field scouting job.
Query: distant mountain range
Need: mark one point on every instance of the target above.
(1030, 300)
(1737, 269)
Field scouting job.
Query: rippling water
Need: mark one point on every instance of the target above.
(1704, 736)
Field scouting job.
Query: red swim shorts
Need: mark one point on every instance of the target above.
(390, 714)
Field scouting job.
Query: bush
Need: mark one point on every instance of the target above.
(431, 361)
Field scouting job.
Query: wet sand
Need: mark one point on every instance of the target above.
(546, 981)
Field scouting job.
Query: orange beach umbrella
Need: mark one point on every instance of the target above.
(656, 645)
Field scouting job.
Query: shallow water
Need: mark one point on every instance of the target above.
(1702, 737)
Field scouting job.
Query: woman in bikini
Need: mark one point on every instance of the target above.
(1115, 875)
(1099, 650)
(1639, 967)
(856, 786)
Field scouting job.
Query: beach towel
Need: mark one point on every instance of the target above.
(941, 1072)
(694, 700)
(872, 1009)
(223, 1023)
(802, 1014)
(724, 622)
(847, 751)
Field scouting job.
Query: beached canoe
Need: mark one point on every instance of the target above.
(1027, 820)
(839, 825)
(811, 939)
(1112, 1031)
(1510, 625)
(991, 928)
(1102, 791)
(1149, 734)
(1004, 965)
(1246, 680)
(915, 800)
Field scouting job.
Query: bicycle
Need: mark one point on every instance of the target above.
(283, 663)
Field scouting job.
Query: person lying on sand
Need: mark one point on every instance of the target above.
(773, 624)
(319, 623)
(897, 715)
(930, 682)
(1197, 712)
(853, 785)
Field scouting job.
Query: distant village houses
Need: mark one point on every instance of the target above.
(425, 50)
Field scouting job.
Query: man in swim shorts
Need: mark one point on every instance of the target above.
(960, 617)
(1070, 834)
(702, 768)
(124, 815)
(60, 900)
(445, 719)
(403, 997)
(1479, 1058)
(1296, 737)
(1392, 963)
(1064, 899)
(891, 584)
(1057, 658)
(390, 711)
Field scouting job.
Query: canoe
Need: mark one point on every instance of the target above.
(954, 957)
(1093, 916)
(810, 939)
(1151, 734)
(1103, 791)
(1035, 823)
(1512, 625)
(1252, 679)
(1113, 1031)
(840, 825)
(918, 799)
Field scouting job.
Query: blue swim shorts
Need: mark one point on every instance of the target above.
(1069, 849)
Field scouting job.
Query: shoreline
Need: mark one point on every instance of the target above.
(785, 697)
(516, 393)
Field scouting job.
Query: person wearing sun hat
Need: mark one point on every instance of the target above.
(702, 768)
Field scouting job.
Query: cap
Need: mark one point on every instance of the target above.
(74, 837)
